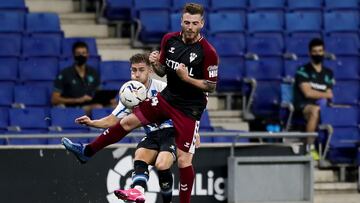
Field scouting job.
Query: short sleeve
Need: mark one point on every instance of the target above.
(59, 83)
(329, 79)
(121, 111)
(301, 76)
(211, 64)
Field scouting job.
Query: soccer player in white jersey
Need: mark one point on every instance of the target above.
(156, 148)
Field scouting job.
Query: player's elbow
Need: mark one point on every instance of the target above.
(55, 99)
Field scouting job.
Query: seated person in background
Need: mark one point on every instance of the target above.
(312, 89)
(76, 85)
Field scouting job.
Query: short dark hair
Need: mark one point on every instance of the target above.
(193, 9)
(79, 44)
(140, 58)
(316, 42)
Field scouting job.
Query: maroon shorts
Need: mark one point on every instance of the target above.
(158, 110)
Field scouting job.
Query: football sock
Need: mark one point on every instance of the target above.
(140, 175)
(108, 137)
(187, 176)
(166, 184)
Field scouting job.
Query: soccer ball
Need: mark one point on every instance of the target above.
(132, 93)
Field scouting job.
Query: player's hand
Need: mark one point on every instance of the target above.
(182, 72)
(83, 120)
(154, 57)
(197, 138)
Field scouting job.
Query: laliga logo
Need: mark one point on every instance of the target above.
(120, 178)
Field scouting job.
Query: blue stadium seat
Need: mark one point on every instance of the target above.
(343, 143)
(13, 5)
(10, 45)
(6, 94)
(341, 21)
(340, 117)
(268, 4)
(340, 5)
(179, 4)
(266, 68)
(38, 69)
(154, 24)
(4, 122)
(114, 73)
(41, 46)
(291, 66)
(175, 20)
(297, 43)
(343, 148)
(233, 5)
(304, 4)
(265, 43)
(265, 21)
(42, 23)
(100, 113)
(64, 120)
(345, 67)
(205, 125)
(29, 120)
(8, 69)
(68, 43)
(31, 96)
(226, 22)
(303, 21)
(230, 74)
(159, 4)
(349, 43)
(267, 98)
(347, 92)
(228, 44)
(118, 10)
(12, 22)
(93, 61)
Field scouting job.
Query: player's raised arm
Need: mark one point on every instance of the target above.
(158, 68)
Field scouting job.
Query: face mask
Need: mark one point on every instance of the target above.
(80, 60)
(317, 59)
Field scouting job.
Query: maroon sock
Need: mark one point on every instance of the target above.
(187, 176)
(108, 137)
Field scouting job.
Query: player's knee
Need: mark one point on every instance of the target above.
(162, 165)
(128, 123)
(314, 112)
(184, 161)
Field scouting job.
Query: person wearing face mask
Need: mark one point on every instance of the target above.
(75, 85)
(313, 89)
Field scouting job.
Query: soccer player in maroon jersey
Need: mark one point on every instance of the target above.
(191, 66)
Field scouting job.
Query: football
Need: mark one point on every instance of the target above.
(132, 93)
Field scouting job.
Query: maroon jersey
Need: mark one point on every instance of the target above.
(201, 60)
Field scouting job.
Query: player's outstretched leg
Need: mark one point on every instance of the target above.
(139, 178)
(109, 136)
(76, 148)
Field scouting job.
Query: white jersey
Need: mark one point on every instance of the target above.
(155, 86)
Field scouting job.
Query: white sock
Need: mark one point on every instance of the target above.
(141, 189)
